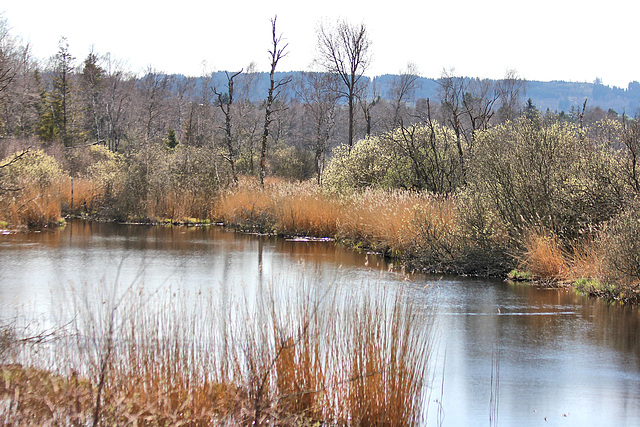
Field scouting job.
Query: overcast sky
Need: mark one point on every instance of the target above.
(572, 40)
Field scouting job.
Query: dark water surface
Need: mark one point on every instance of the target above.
(555, 358)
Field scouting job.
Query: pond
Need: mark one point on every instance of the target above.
(519, 354)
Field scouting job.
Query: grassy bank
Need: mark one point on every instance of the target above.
(304, 358)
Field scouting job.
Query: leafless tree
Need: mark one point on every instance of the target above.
(631, 141)
(225, 101)
(118, 93)
(277, 52)
(318, 91)
(479, 101)
(369, 98)
(19, 99)
(402, 90)
(183, 91)
(344, 50)
(154, 92)
(7, 70)
(198, 127)
(451, 95)
(512, 90)
(248, 116)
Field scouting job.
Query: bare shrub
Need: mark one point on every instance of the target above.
(621, 244)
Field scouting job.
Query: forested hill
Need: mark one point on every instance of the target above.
(556, 96)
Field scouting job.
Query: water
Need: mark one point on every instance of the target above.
(563, 359)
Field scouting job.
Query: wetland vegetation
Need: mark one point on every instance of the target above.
(478, 182)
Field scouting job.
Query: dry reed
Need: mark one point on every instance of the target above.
(287, 357)
(544, 257)
(386, 221)
(31, 208)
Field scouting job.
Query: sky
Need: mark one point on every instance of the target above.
(571, 40)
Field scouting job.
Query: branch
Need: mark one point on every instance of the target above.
(16, 158)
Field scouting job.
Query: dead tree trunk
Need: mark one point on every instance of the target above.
(276, 53)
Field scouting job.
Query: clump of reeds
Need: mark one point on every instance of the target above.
(31, 208)
(381, 219)
(296, 354)
(545, 258)
(80, 195)
(386, 221)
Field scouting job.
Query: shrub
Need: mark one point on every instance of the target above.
(418, 157)
(536, 173)
(425, 157)
(292, 163)
(33, 181)
(35, 169)
(620, 242)
(365, 165)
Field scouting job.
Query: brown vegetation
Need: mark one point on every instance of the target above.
(289, 359)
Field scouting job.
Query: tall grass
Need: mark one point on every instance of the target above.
(31, 208)
(545, 258)
(386, 221)
(292, 355)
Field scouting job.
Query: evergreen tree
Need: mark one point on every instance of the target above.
(172, 140)
(92, 85)
(56, 119)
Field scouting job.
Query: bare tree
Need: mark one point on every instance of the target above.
(479, 104)
(277, 52)
(344, 50)
(318, 91)
(154, 92)
(369, 98)
(451, 95)
(402, 91)
(7, 70)
(631, 141)
(248, 116)
(225, 101)
(118, 92)
(511, 89)
(19, 89)
(198, 130)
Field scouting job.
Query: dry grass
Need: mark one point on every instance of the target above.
(387, 221)
(382, 220)
(86, 194)
(587, 261)
(31, 208)
(545, 258)
(286, 357)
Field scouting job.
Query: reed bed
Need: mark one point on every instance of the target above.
(545, 258)
(280, 207)
(386, 221)
(31, 208)
(294, 354)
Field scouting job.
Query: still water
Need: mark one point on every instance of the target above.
(555, 358)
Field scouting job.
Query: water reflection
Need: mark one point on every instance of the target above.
(563, 356)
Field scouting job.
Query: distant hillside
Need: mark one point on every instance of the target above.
(555, 95)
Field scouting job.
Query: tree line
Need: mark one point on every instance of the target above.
(289, 131)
